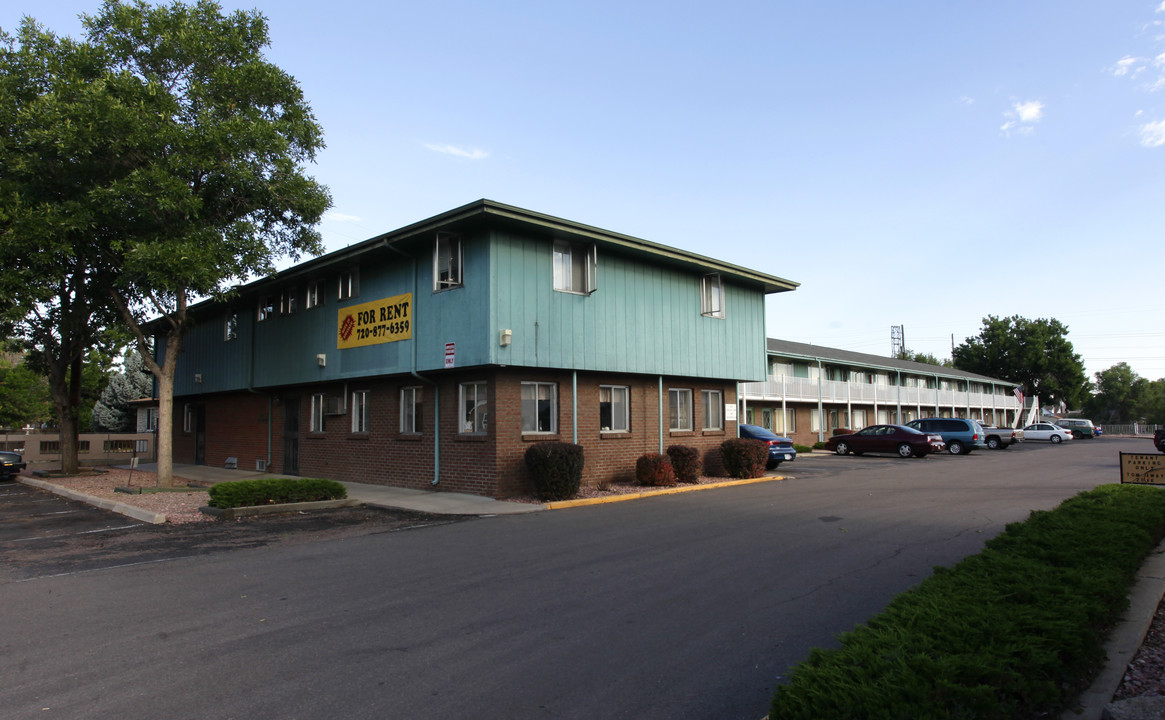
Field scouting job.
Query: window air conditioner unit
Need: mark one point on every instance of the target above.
(334, 405)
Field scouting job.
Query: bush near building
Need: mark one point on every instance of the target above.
(556, 468)
(744, 458)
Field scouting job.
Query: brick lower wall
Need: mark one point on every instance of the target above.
(251, 426)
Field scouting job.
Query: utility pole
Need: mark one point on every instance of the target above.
(897, 341)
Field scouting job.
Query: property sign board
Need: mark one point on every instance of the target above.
(376, 322)
(1143, 468)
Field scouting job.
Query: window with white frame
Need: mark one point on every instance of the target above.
(317, 413)
(349, 284)
(410, 410)
(447, 261)
(231, 326)
(614, 408)
(679, 409)
(288, 301)
(712, 296)
(575, 267)
(315, 294)
(539, 407)
(713, 410)
(151, 419)
(474, 405)
(266, 308)
(360, 411)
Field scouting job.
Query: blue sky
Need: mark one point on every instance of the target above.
(909, 163)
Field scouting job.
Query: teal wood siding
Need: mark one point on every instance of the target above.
(642, 318)
(459, 315)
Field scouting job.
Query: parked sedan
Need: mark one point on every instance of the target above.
(10, 465)
(780, 448)
(905, 441)
(1047, 431)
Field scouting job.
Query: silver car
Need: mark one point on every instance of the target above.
(1047, 431)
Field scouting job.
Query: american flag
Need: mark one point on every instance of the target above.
(1018, 392)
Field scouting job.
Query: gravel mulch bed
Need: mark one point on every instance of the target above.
(1146, 673)
(178, 507)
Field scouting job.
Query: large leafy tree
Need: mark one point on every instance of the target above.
(211, 144)
(24, 397)
(928, 358)
(1121, 395)
(62, 143)
(1036, 354)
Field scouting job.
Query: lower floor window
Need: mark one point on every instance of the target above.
(679, 409)
(410, 410)
(713, 413)
(360, 411)
(317, 413)
(539, 407)
(614, 407)
(474, 407)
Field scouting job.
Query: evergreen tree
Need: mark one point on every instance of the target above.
(113, 412)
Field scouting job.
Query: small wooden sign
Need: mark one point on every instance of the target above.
(1143, 468)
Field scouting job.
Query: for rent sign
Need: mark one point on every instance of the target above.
(379, 321)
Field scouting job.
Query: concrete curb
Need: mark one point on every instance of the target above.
(653, 493)
(1125, 639)
(121, 508)
(276, 509)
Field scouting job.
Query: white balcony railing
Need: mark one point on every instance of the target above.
(782, 387)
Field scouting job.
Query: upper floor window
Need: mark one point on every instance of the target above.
(315, 294)
(349, 284)
(539, 407)
(266, 308)
(575, 267)
(712, 296)
(447, 261)
(231, 326)
(288, 302)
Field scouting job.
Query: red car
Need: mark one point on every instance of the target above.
(899, 439)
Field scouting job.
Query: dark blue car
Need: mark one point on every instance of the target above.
(780, 448)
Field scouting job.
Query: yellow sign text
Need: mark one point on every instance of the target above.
(376, 322)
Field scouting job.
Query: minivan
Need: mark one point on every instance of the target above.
(1080, 427)
(961, 435)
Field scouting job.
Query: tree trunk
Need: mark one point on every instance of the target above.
(166, 411)
(65, 387)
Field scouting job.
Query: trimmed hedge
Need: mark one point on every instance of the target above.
(654, 469)
(274, 491)
(556, 468)
(744, 457)
(685, 461)
(1013, 632)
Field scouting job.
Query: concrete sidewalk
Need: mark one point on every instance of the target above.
(440, 503)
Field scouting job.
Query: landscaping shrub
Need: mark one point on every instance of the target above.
(685, 461)
(842, 431)
(744, 457)
(556, 468)
(804, 448)
(1013, 632)
(654, 469)
(819, 445)
(274, 491)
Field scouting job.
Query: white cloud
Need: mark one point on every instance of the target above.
(474, 154)
(340, 217)
(1161, 7)
(966, 100)
(1030, 111)
(1153, 134)
(1124, 65)
(1022, 117)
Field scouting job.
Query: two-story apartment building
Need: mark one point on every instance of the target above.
(432, 356)
(812, 390)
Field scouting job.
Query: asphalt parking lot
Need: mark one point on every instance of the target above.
(45, 535)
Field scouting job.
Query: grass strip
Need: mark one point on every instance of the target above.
(1016, 631)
